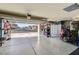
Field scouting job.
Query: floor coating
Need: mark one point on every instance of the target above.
(29, 44)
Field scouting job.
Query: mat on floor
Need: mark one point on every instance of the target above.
(76, 52)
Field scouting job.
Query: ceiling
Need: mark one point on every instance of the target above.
(53, 11)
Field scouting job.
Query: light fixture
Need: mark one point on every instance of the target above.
(72, 7)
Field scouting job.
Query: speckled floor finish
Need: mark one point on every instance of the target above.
(29, 44)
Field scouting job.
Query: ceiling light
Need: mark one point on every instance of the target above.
(72, 7)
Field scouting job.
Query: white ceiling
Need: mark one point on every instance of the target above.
(50, 10)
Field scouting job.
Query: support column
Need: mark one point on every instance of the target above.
(38, 33)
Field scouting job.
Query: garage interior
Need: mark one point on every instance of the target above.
(27, 34)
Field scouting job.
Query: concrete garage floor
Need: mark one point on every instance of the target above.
(28, 44)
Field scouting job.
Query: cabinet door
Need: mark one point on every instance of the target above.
(55, 30)
(0, 27)
(3, 27)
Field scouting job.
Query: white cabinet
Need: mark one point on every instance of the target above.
(55, 30)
